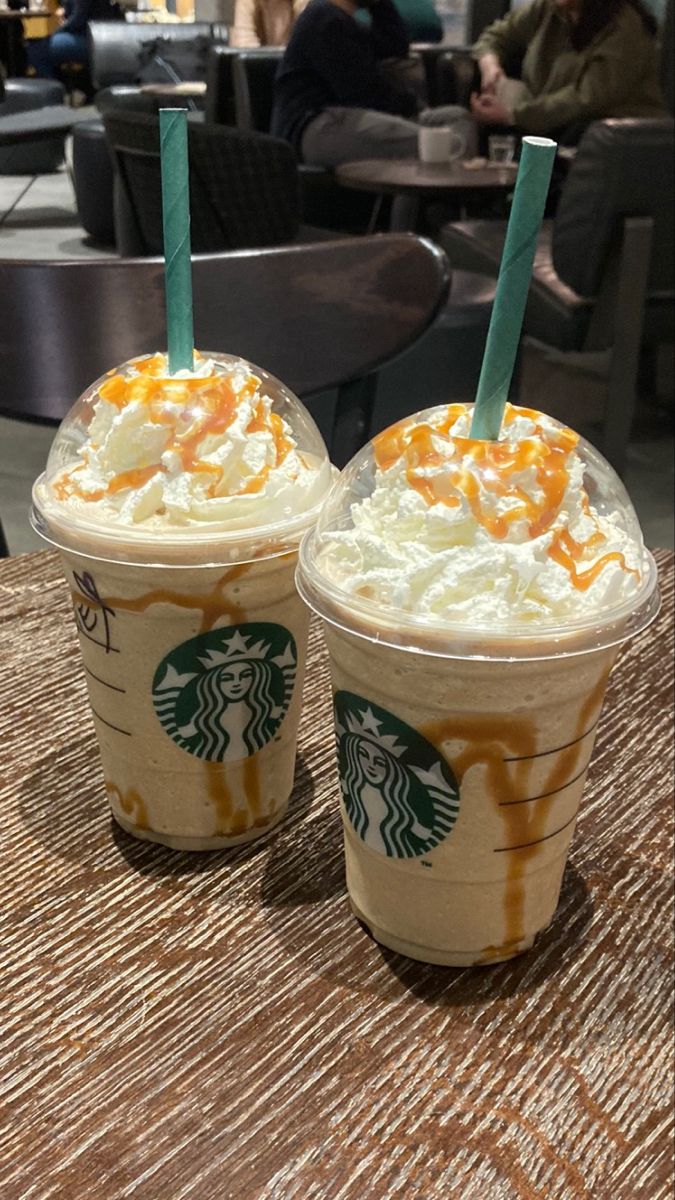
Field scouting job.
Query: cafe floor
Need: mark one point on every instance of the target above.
(38, 219)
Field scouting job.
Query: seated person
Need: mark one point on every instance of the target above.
(264, 22)
(333, 101)
(578, 60)
(69, 43)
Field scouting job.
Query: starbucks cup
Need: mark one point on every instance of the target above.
(463, 739)
(192, 634)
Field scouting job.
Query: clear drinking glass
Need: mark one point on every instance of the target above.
(501, 149)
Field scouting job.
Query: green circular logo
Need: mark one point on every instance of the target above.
(400, 795)
(222, 695)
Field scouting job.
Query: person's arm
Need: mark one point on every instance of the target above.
(77, 16)
(614, 66)
(388, 32)
(343, 59)
(243, 32)
(506, 41)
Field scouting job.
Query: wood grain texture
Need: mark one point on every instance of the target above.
(220, 1026)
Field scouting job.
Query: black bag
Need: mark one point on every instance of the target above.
(167, 61)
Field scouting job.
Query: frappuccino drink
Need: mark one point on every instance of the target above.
(474, 597)
(177, 504)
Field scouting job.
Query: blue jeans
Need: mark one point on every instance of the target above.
(46, 55)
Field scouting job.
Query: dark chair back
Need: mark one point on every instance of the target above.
(668, 56)
(254, 72)
(623, 168)
(457, 76)
(115, 46)
(482, 13)
(219, 107)
(319, 316)
(243, 187)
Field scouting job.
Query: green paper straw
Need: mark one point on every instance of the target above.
(176, 218)
(515, 272)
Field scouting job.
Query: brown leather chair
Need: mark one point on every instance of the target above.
(603, 276)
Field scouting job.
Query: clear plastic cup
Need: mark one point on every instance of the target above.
(501, 149)
(463, 745)
(193, 640)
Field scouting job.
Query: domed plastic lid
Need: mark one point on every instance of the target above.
(528, 547)
(220, 464)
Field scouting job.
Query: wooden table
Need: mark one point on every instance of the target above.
(40, 22)
(411, 182)
(216, 1026)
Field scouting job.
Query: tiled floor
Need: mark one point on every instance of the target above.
(38, 219)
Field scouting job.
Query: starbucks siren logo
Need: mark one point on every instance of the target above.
(400, 794)
(223, 695)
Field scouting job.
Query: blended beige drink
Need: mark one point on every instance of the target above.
(474, 597)
(177, 504)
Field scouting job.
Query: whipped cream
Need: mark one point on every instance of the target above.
(481, 533)
(204, 446)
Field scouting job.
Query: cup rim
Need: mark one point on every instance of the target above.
(416, 634)
(228, 546)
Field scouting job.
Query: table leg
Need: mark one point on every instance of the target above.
(405, 211)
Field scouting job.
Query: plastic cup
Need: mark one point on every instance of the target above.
(501, 149)
(194, 643)
(462, 749)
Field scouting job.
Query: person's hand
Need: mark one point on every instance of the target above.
(60, 16)
(490, 73)
(488, 110)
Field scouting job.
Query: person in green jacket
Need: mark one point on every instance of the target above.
(577, 61)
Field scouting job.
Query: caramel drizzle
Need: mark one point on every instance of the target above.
(217, 405)
(499, 463)
(525, 824)
(131, 803)
(213, 606)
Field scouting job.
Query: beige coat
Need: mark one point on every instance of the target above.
(264, 22)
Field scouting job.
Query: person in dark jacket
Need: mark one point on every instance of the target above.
(334, 100)
(69, 43)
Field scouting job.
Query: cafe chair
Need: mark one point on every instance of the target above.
(243, 187)
(253, 75)
(34, 122)
(323, 203)
(219, 103)
(321, 317)
(603, 283)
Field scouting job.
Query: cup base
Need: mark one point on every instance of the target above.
(199, 843)
(444, 958)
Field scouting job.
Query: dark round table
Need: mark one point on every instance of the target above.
(410, 182)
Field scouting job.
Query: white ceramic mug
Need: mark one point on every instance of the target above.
(439, 144)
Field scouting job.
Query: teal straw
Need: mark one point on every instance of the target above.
(527, 211)
(176, 218)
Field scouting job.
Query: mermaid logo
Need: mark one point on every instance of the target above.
(223, 695)
(400, 795)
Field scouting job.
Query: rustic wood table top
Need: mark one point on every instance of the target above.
(219, 1025)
